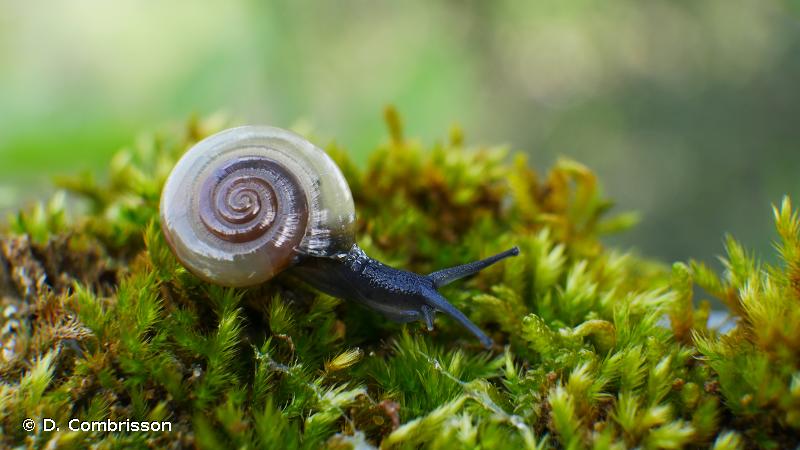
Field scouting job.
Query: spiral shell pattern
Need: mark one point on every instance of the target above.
(246, 203)
(239, 204)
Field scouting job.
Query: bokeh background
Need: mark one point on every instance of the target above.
(688, 110)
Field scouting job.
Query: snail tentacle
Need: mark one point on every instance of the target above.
(446, 276)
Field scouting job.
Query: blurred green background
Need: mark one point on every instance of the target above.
(688, 110)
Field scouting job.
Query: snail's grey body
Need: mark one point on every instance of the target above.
(249, 202)
(398, 294)
(355, 276)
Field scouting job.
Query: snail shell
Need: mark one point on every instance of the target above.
(248, 202)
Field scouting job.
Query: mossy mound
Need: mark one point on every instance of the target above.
(100, 322)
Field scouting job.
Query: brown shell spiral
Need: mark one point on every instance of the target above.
(246, 203)
(240, 201)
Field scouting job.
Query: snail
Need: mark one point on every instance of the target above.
(246, 203)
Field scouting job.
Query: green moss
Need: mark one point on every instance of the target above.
(100, 322)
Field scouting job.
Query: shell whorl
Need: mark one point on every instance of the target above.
(244, 204)
(240, 201)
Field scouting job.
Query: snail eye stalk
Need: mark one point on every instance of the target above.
(446, 276)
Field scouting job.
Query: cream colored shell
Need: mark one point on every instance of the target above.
(299, 166)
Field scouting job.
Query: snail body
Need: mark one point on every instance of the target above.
(249, 202)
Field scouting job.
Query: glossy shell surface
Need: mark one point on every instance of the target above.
(242, 205)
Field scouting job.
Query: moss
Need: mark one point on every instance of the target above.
(100, 322)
